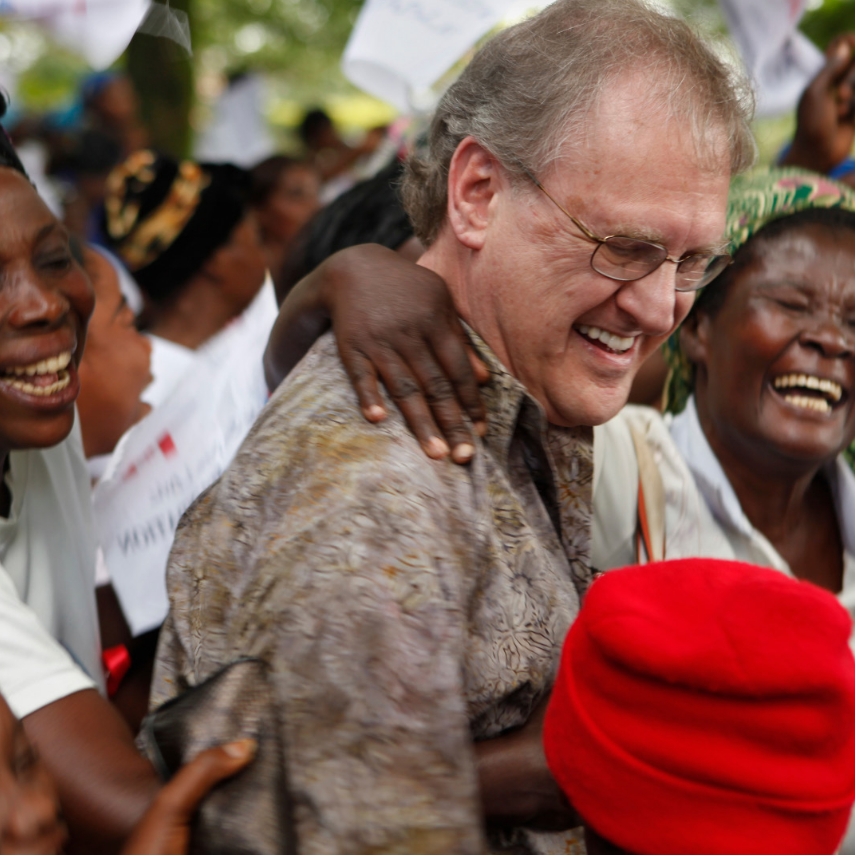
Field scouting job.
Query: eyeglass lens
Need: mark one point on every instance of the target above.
(628, 259)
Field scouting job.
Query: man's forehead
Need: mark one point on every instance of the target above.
(636, 184)
(641, 110)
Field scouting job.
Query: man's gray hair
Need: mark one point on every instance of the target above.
(527, 92)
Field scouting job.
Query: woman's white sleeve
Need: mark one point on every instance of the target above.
(35, 669)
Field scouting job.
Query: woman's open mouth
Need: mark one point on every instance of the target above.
(44, 378)
(809, 392)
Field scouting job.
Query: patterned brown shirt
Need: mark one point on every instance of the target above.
(406, 606)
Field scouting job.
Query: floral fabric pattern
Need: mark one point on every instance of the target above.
(406, 606)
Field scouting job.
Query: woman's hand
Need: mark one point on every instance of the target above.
(824, 134)
(165, 828)
(393, 321)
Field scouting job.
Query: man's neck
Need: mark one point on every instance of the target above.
(456, 265)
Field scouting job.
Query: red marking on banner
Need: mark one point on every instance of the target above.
(167, 446)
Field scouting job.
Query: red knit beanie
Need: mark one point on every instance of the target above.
(704, 706)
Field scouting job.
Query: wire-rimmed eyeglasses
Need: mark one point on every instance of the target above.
(628, 259)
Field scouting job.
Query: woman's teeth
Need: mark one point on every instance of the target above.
(829, 392)
(49, 366)
(64, 378)
(613, 342)
(821, 405)
(43, 378)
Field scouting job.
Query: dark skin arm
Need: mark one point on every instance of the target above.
(394, 322)
(516, 786)
(104, 784)
(166, 825)
(824, 134)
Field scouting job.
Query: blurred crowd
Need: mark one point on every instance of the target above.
(501, 500)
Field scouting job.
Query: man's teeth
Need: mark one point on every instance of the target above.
(791, 381)
(615, 343)
(821, 405)
(52, 365)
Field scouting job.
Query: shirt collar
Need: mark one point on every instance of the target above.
(712, 482)
(507, 402)
(718, 493)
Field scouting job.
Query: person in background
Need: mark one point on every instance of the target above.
(412, 614)
(335, 161)
(30, 813)
(111, 105)
(186, 233)
(93, 154)
(116, 366)
(704, 706)
(50, 663)
(823, 141)
(371, 212)
(284, 198)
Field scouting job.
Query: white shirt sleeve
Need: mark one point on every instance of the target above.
(35, 669)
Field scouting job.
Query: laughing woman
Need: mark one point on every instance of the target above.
(50, 664)
(763, 374)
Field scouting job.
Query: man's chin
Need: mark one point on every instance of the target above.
(575, 414)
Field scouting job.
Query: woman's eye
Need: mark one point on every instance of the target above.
(792, 305)
(58, 263)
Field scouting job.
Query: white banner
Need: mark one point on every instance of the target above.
(780, 59)
(238, 132)
(178, 450)
(99, 30)
(399, 48)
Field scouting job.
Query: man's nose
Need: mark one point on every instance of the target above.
(34, 303)
(650, 301)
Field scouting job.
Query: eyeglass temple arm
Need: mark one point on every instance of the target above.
(580, 226)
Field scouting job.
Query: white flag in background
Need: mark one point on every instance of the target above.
(99, 30)
(780, 59)
(399, 48)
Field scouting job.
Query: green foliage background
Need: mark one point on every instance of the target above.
(297, 44)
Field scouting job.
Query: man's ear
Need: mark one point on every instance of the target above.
(694, 336)
(474, 174)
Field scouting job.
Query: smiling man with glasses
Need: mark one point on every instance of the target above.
(412, 613)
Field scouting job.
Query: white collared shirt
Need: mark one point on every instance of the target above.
(703, 513)
(748, 542)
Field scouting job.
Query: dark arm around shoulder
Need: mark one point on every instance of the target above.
(394, 321)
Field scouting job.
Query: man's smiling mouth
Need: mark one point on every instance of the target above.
(808, 391)
(619, 344)
(43, 378)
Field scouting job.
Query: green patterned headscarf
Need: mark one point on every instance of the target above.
(753, 201)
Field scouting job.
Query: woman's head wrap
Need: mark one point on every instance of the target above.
(755, 199)
(165, 218)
